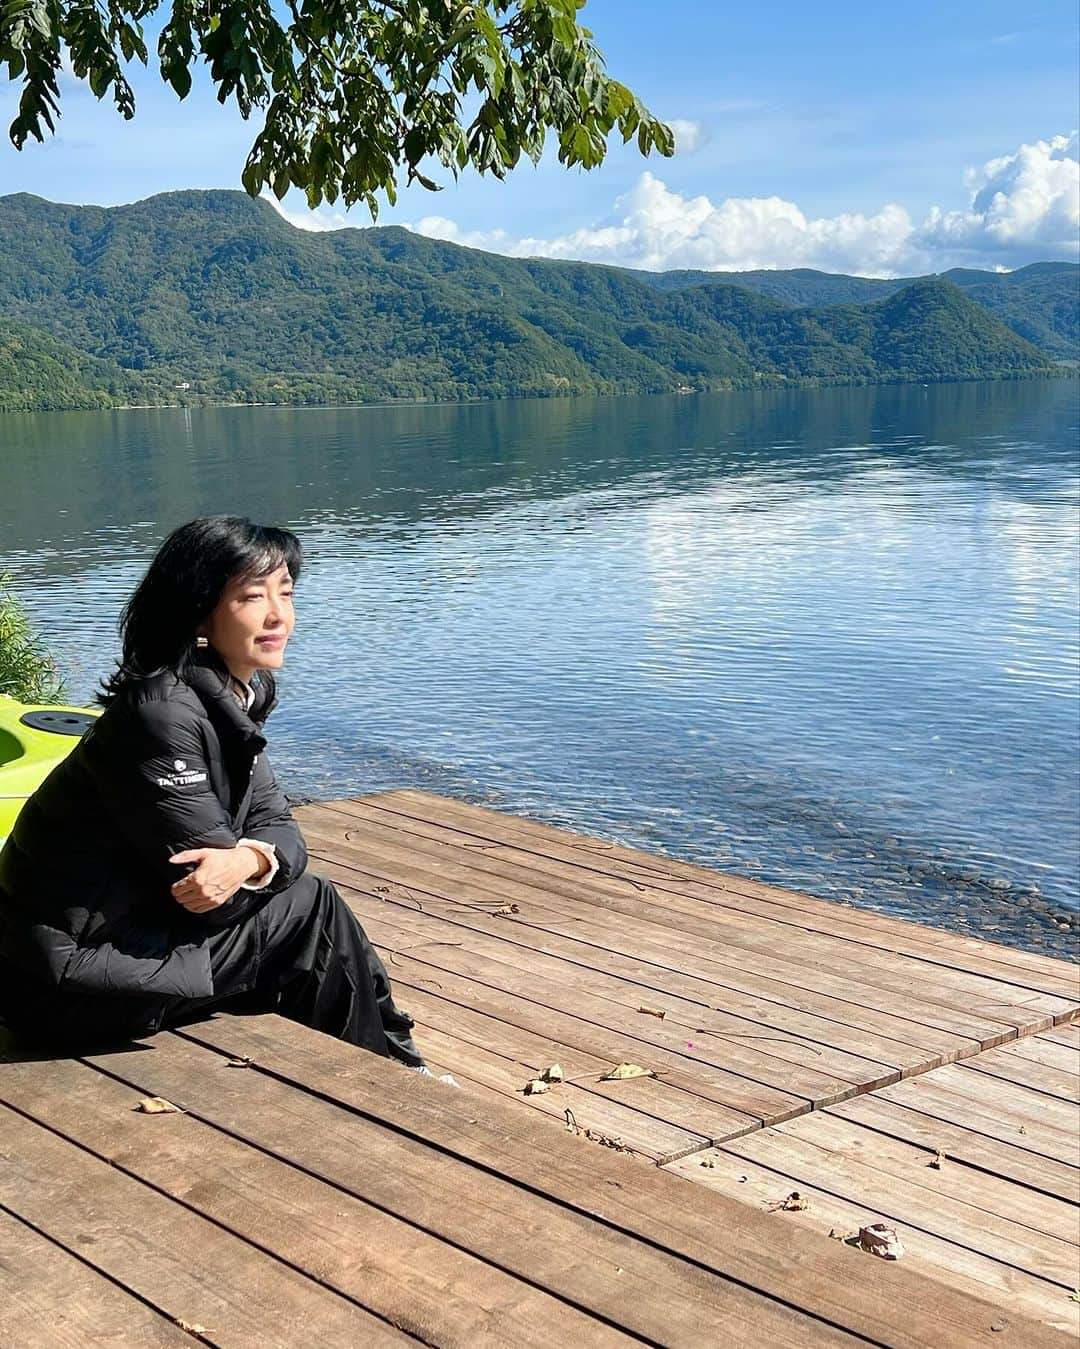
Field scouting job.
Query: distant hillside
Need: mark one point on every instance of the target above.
(200, 296)
(1040, 302)
(39, 373)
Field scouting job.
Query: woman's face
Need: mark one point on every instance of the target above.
(250, 625)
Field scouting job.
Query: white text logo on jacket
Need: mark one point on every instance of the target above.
(183, 777)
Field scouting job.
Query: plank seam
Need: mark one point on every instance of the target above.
(567, 1204)
(976, 1046)
(206, 1217)
(87, 1263)
(1002, 978)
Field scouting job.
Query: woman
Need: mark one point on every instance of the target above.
(157, 873)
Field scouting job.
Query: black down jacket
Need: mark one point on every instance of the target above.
(85, 901)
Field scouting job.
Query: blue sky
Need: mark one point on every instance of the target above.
(867, 137)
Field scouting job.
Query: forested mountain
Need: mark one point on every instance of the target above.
(199, 296)
(1040, 302)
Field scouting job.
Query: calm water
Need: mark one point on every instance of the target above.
(828, 639)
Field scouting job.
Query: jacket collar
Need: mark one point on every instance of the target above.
(209, 678)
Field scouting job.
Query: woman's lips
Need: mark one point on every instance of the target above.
(270, 641)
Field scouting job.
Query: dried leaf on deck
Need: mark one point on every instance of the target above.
(881, 1240)
(606, 1140)
(658, 1012)
(937, 1161)
(536, 1086)
(505, 911)
(625, 1070)
(792, 1203)
(244, 1062)
(707, 1161)
(192, 1327)
(157, 1105)
(553, 1073)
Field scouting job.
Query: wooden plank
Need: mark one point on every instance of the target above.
(789, 1064)
(968, 1010)
(576, 1110)
(904, 1044)
(749, 1099)
(626, 1197)
(426, 937)
(915, 1205)
(1057, 1220)
(892, 1119)
(642, 1111)
(498, 829)
(1066, 1034)
(548, 847)
(1010, 1100)
(380, 1156)
(414, 1280)
(931, 1258)
(1040, 1049)
(979, 1115)
(479, 826)
(1058, 993)
(49, 1299)
(180, 1264)
(1024, 1072)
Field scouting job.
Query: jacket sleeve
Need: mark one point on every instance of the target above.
(269, 820)
(162, 795)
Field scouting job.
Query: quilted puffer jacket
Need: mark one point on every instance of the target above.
(85, 901)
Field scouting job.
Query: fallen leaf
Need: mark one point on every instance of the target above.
(849, 1238)
(1074, 1296)
(553, 1073)
(881, 1240)
(157, 1105)
(625, 1070)
(244, 1062)
(937, 1161)
(192, 1327)
(1002, 1323)
(1022, 1129)
(606, 1140)
(792, 1203)
(658, 1012)
(571, 1122)
(505, 911)
(536, 1087)
(707, 1161)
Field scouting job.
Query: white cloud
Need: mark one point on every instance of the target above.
(316, 222)
(689, 135)
(1023, 206)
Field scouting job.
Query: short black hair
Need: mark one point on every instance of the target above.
(183, 585)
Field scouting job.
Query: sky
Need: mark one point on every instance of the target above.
(874, 138)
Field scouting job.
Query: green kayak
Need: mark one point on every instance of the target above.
(33, 740)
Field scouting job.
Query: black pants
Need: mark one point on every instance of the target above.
(302, 954)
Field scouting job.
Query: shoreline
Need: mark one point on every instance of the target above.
(775, 384)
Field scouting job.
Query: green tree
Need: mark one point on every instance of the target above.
(354, 91)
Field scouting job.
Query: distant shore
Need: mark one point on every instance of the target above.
(771, 384)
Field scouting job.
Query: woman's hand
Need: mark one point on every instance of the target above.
(218, 876)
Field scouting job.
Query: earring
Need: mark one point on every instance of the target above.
(202, 643)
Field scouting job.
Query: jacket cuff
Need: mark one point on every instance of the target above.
(270, 853)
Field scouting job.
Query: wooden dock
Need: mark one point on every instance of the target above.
(310, 1193)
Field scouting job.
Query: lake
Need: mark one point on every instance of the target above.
(828, 638)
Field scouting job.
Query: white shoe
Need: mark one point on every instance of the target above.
(425, 1071)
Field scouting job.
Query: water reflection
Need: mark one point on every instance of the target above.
(824, 638)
